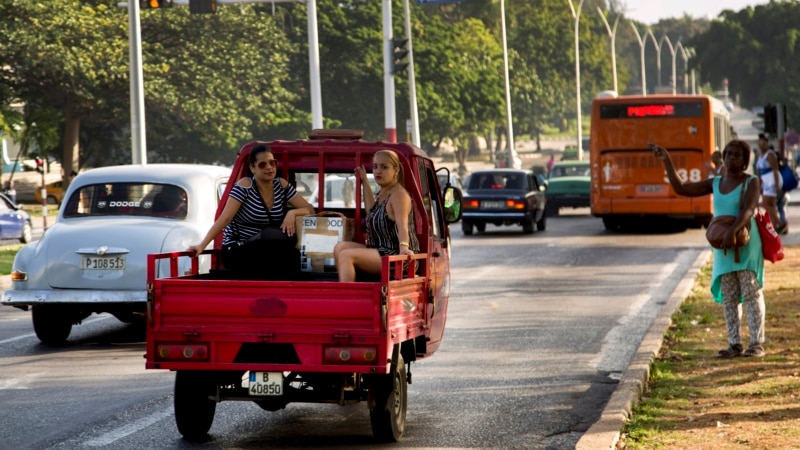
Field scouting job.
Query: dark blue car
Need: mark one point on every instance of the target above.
(503, 197)
(14, 222)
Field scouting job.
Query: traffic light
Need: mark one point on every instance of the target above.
(400, 55)
(155, 4)
(770, 119)
(202, 6)
(39, 165)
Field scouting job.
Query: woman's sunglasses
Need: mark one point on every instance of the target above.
(271, 162)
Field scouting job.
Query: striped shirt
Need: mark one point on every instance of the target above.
(382, 230)
(253, 215)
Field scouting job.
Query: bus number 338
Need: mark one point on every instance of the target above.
(685, 175)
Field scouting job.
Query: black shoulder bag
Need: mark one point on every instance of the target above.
(268, 255)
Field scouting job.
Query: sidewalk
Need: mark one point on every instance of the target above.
(605, 433)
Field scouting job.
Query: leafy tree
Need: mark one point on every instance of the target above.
(757, 50)
(64, 55)
(206, 89)
(214, 81)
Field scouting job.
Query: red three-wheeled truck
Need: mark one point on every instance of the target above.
(311, 339)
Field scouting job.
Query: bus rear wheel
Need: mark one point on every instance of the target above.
(611, 223)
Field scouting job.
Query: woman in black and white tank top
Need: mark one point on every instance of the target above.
(257, 202)
(390, 220)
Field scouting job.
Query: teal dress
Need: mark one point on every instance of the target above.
(751, 256)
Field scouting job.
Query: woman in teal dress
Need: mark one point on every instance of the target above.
(732, 283)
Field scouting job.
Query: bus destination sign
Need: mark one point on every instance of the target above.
(642, 111)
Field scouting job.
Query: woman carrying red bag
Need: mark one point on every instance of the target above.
(732, 283)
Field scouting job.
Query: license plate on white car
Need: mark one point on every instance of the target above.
(103, 262)
(266, 384)
(492, 204)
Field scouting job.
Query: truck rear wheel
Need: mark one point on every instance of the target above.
(51, 324)
(194, 411)
(388, 413)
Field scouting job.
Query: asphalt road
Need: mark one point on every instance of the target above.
(541, 328)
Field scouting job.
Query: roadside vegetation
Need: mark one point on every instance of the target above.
(697, 401)
(7, 253)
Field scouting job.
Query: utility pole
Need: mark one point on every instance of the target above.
(576, 16)
(510, 125)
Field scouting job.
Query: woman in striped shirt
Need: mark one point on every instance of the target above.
(390, 220)
(255, 203)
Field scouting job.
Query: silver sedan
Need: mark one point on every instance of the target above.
(94, 258)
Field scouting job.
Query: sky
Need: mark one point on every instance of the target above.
(651, 11)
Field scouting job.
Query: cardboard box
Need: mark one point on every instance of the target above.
(316, 237)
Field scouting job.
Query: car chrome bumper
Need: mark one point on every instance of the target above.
(51, 296)
(496, 215)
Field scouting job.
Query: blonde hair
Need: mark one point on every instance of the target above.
(395, 160)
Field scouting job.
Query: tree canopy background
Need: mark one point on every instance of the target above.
(216, 81)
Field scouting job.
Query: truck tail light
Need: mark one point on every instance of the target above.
(515, 204)
(471, 204)
(178, 351)
(350, 355)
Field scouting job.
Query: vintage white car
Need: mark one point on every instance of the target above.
(94, 258)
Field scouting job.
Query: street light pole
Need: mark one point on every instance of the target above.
(576, 16)
(510, 126)
(642, 43)
(672, 52)
(412, 82)
(652, 37)
(612, 33)
(659, 43)
(685, 56)
(390, 115)
(136, 83)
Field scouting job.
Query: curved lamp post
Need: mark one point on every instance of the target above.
(612, 33)
(642, 38)
(642, 43)
(685, 55)
(576, 16)
(672, 52)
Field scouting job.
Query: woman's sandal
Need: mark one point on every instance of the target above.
(730, 352)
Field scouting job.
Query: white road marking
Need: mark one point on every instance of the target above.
(125, 430)
(19, 383)
(29, 335)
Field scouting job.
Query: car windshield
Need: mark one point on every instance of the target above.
(125, 199)
(339, 189)
(496, 180)
(569, 171)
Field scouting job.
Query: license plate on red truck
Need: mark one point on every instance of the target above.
(263, 384)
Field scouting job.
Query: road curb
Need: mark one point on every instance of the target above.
(605, 433)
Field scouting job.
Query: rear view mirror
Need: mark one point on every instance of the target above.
(452, 204)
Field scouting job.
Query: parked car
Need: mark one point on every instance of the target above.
(570, 153)
(94, 258)
(15, 223)
(55, 193)
(568, 186)
(503, 197)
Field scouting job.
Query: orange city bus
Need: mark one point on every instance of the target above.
(628, 183)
